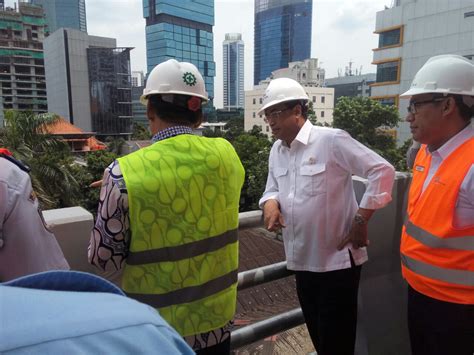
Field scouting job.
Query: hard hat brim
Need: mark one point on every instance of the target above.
(144, 97)
(261, 111)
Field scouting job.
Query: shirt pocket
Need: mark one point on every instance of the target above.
(313, 179)
(279, 172)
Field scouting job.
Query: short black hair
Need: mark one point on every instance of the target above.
(304, 106)
(465, 111)
(175, 112)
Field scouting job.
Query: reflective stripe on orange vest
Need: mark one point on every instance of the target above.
(437, 258)
(434, 241)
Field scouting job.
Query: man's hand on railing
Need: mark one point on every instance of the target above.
(272, 217)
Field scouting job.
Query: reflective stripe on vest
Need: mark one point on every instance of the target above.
(438, 258)
(188, 294)
(184, 251)
(460, 277)
(433, 241)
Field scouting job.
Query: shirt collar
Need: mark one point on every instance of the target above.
(171, 132)
(303, 134)
(450, 146)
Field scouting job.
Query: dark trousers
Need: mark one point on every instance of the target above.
(439, 328)
(218, 349)
(329, 304)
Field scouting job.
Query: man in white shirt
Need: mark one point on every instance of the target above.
(309, 194)
(437, 244)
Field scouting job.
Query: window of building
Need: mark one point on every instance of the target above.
(322, 114)
(253, 114)
(388, 72)
(314, 98)
(390, 37)
(260, 101)
(386, 100)
(267, 129)
(323, 99)
(254, 101)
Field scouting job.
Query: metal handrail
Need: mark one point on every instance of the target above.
(262, 275)
(260, 330)
(250, 278)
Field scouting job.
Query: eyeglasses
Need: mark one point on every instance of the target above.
(413, 107)
(275, 115)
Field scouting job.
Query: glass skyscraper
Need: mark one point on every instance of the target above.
(110, 90)
(64, 13)
(233, 57)
(282, 34)
(181, 29)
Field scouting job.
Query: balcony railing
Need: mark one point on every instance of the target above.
(381, 327)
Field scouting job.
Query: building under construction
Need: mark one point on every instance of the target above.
(22, 76)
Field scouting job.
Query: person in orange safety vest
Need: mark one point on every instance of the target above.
(437, 246)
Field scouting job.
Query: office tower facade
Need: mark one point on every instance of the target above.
(22, 72)
(64, 13)
(138, 78)
(410, 32)
(88, 80)
(233, 58)
(351, 85)
(282, 34)
(182, 30)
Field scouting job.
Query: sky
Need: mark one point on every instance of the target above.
(342, 31)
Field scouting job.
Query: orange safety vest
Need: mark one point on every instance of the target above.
(437, 258)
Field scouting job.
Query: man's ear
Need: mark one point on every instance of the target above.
(449, 105)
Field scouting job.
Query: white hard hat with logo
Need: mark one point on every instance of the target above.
(281, 90)
(444, 74)
(173, 77)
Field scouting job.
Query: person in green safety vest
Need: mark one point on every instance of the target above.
(168, 214)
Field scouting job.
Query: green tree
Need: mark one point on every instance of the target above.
(311, 114)
(115, 144)
(96, 162)
(49, 157)
(371, 123)
(253, 148)
(140, 132)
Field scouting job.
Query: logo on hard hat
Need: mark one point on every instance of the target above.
(189, 79)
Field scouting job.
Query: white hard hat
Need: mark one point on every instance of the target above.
(173, 77)
(281, 90)
(444, 74)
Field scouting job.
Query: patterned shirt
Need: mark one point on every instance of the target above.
(110, 239)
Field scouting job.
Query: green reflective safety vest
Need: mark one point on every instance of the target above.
(184, 197)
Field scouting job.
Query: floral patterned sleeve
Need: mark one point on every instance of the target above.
(110, 238)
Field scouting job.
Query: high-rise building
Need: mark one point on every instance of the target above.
(22, 75)
(410, 32)
(88, 80)
(351, 85)
(64, 13)
(282, 34)
(181, 29)
(138, 79)
(233, 57)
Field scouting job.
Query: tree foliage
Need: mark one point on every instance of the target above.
(48, 156)
(140, 132)
(370, 122)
